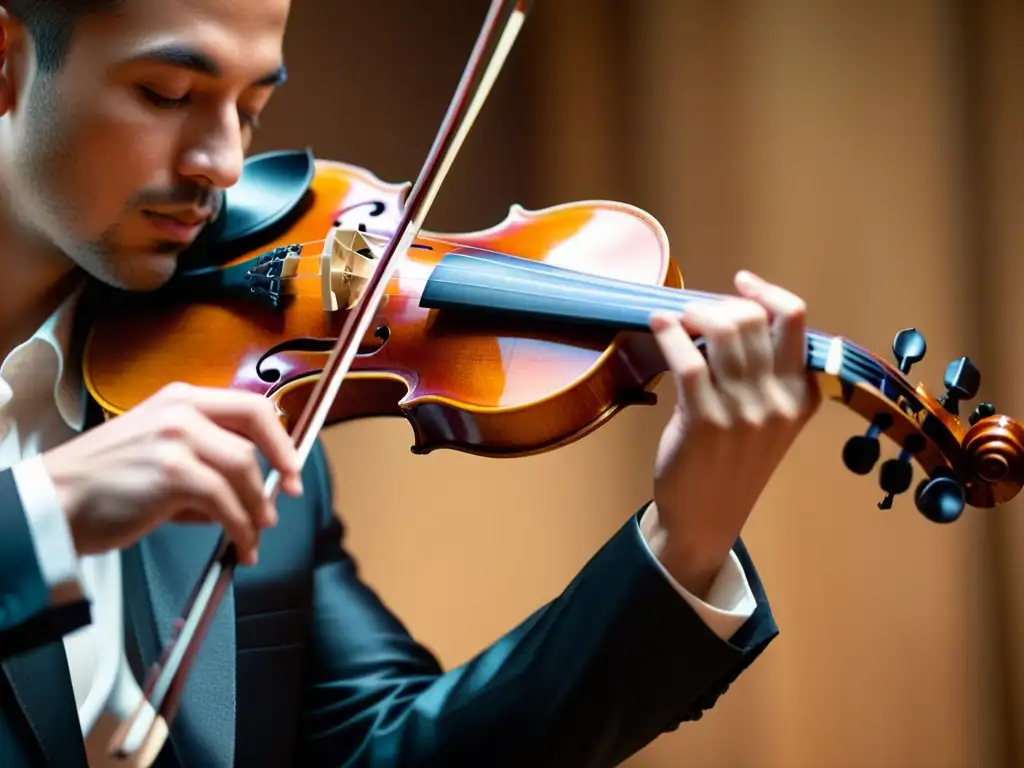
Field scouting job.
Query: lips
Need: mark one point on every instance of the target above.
(179, 226)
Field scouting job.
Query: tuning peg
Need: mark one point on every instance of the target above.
(981, 411)
(962, 381)
(861, 452)
(909, 348)
(940, 499)
(894, 478)
(897, 473)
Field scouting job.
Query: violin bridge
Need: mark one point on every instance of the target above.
(346, 264)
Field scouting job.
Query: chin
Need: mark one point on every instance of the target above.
(141, 271)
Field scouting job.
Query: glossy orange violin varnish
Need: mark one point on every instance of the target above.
(477, 382)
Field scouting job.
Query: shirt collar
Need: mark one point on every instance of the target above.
(53, 335)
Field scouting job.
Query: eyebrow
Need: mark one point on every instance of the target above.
(184, 57)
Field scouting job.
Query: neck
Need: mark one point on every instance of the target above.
(37, 278)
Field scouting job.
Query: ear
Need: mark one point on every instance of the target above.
(13, 41)
(6, 91)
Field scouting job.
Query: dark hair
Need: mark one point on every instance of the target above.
(52, 23)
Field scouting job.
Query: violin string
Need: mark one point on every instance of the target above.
(648, 298)
(864, 365)
(858, 364)
(869, 362)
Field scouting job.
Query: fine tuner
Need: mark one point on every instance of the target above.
(992, 446)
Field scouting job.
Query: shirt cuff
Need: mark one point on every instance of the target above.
(51, 536)
(730, 600)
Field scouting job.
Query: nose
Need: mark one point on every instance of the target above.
(216, 155)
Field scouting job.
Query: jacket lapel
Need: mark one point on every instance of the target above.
(42, 685)
(160, 572)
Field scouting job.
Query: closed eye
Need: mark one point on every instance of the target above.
(247, 119)
(161, 101)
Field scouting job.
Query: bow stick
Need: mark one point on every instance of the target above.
(141, 738)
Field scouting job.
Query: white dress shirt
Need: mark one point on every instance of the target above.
(41, 406)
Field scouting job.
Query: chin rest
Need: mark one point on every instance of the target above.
(268, 193)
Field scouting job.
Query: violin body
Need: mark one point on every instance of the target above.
(485, 382)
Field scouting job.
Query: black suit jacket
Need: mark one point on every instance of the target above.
(305, 666)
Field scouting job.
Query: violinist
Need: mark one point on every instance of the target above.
(123, 122)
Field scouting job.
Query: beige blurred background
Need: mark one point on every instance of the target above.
(868, 155)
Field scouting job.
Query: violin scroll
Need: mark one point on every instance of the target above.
(994, 452)
(980, 464)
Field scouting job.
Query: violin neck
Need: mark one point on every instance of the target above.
(484, 281)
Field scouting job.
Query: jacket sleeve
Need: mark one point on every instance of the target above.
(617, 659)
(40, 601)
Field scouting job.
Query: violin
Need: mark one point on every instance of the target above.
(320, 290)
(506, 342)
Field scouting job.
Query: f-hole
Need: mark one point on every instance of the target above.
(304, 354)
(383, 333)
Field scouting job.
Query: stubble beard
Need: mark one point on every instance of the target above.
(105, 257)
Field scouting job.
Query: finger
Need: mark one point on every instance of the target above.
(253, 417)
(717, 323)
(199, 487)
(789, 312)
(234, 458)
(684, 360)
(191, 516)
(779, 399)
(755, 334)
(740, 354)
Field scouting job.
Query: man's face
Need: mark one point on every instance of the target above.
(116, 160)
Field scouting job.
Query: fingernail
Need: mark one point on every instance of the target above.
(745, 276)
